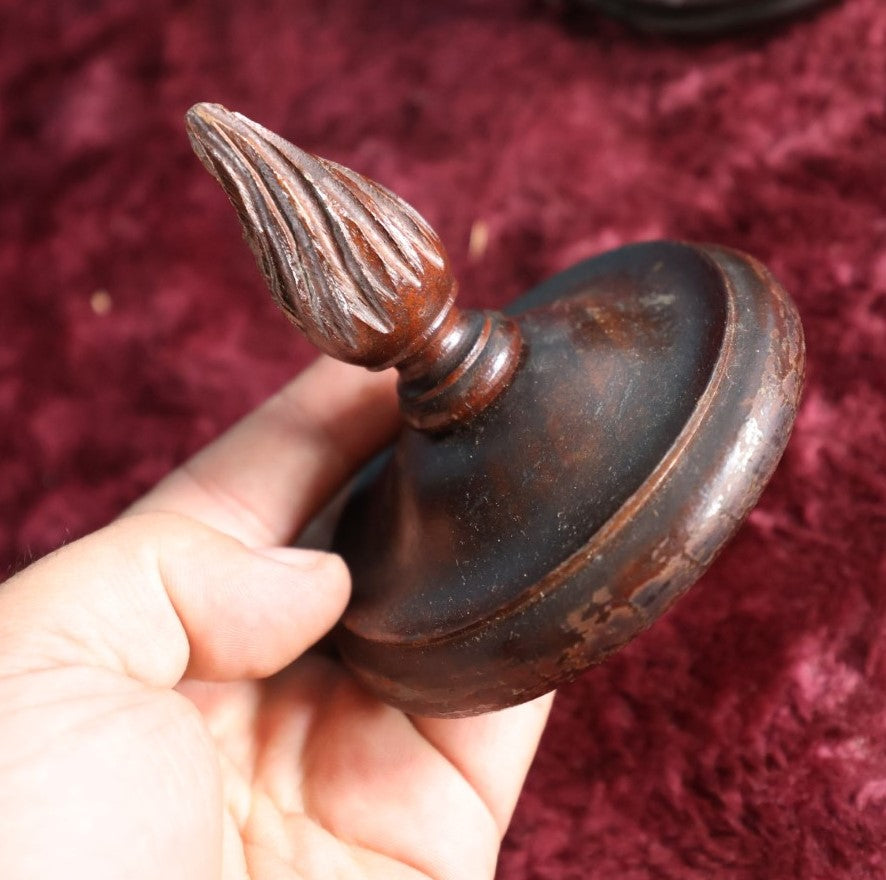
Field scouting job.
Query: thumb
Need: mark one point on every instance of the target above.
(158, 596)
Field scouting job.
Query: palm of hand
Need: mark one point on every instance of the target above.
(320, 780)
(302, 775)
(118, 759)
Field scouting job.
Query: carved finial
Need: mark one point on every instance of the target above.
(339, 252)
(356, 268)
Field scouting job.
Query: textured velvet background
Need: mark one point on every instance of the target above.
(745, 735)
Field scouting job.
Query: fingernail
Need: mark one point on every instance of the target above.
(297, 557)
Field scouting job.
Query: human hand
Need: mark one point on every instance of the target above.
(153, 723)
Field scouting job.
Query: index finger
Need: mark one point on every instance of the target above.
(264, 479)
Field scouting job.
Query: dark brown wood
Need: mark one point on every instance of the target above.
(357, 270)
(572, 467)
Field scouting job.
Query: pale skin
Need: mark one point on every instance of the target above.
(159, 714)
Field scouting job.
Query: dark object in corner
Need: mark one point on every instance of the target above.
(569, 468)
(699, 16)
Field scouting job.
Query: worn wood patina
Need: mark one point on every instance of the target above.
(570, 466)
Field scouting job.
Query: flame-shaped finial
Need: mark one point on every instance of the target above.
(356, 268)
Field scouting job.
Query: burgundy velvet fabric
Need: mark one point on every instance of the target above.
(744, 736)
